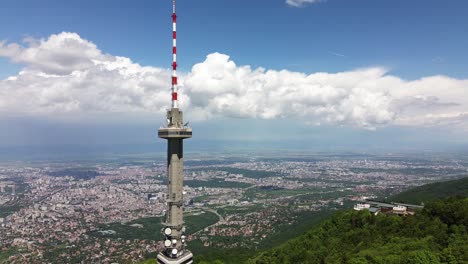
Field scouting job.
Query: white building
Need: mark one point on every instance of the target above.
(399, 209)
(360, 207)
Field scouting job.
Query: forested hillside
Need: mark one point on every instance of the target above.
(437, 234)
(433, 191)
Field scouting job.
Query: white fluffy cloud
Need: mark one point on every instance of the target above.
(365, 97)
(67, 74)
(300, 3)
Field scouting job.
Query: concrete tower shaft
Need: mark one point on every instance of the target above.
(174, 242)
(175, 199)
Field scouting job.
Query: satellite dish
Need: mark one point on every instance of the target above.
(174, 241)
(167, 243)
(174, 251)
(167, 231)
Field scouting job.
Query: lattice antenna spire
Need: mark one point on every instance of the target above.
(174, 56)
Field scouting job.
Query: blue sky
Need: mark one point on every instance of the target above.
(413, 38)
(403, 45)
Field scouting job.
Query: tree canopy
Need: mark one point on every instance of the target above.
(437, 234)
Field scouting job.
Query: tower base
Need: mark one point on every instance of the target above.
(186, 258)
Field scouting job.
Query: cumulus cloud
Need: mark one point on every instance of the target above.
(67, 74)
(365, 97)
(219, 87)
(60, 54)
(300, 3)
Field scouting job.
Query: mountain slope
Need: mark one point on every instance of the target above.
(438, 234)
(433, 191)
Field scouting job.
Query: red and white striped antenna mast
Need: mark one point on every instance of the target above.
(174, 56)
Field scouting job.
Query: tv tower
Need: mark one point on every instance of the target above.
(175, 132)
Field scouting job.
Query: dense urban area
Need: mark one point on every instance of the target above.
(112, 211)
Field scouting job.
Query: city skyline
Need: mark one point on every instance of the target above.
(330, 71)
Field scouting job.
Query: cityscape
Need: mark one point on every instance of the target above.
(233, 132)
(112, 211)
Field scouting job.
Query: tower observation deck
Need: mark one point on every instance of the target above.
(175, 132)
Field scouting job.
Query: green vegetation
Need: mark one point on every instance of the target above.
(271, 193)
(124, 181)
(280, 234)
(144, 228)
(250, 173)
(195, 223)
(202, 198)
(149, 261)
(77, 173)
(230, 210)
(304, 221)
(215, 255)
(437, 234)
(245, 172)
(217, 183)
(5, 254)
(21, 187)
(150, 228)
(303, 194)
(412, 171)
(6, 210)
(433, 191)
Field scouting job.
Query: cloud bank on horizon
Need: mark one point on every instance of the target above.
(65, 74)
(301, 3)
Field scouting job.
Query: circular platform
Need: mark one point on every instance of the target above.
(175, 133)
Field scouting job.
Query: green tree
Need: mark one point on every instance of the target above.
(422, 257)
(437, 234)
